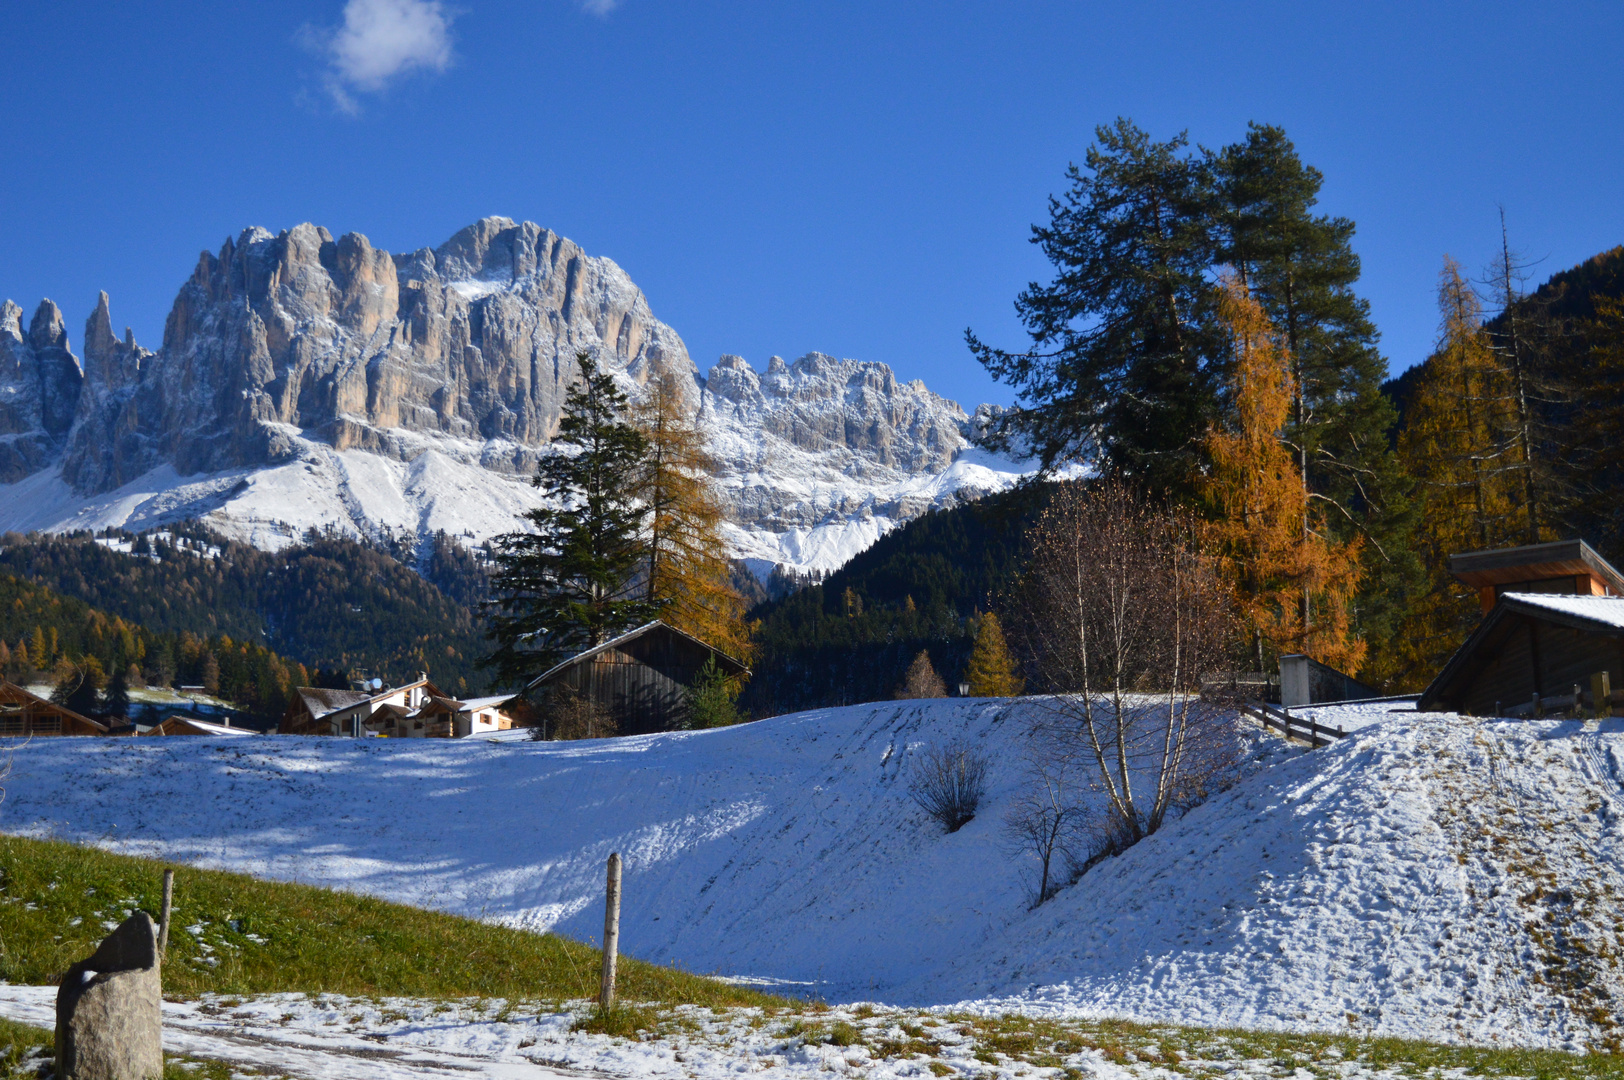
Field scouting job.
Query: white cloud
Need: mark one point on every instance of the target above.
(381, 39)
(600, 8)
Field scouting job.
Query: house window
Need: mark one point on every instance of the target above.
(48, 725)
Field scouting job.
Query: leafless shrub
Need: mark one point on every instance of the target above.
(567, 714)
(1121, 615)
(1044, 821)
(948, 782)
(921, 681)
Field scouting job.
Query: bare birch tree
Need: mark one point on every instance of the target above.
(1122, 614)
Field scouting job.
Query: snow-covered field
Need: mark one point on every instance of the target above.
(1430, 876)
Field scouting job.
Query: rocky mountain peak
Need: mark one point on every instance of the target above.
(307, 380)
(47, 330)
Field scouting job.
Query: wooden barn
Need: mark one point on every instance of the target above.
(639, 679)
(25, 714)
(1531, 644)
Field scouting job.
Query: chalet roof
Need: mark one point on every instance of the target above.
(474, 703)
(12, 694)
(1533, 562)
(1604, 612)
(320, 701)
(204, 727)
(1592, 614)
(614, 643)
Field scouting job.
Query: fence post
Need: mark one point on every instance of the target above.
(1601, 694)
(163, 923)
(611, 933)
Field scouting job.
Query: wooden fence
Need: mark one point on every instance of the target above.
(1292, 727)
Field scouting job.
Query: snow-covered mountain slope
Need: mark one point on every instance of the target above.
(303, 380)
(1429, 875)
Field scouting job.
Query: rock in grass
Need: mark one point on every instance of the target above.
(109, 1009)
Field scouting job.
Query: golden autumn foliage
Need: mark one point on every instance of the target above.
(1293, 583)
(688, 571)
(1460, 442)
(991, 671)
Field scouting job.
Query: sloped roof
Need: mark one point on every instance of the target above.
(11, 693)
(1532, 562)
(321, 701)
(727, 661)
(487, 702)
(1605, 611)
(203, 727)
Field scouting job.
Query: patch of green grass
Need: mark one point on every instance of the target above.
(623, 1021)
(232, 934)
(19, 1045)
(844, 1034)
(1205, 1053)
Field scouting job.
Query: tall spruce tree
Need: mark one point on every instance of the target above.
(572, 582)
(1118, 373)
(1301, 268)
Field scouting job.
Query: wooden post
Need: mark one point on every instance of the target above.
(1601, 694)
(611, 933)
(1578, 702)
(163, 923)
(1539, 713)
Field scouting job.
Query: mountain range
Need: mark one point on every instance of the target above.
(305, 382)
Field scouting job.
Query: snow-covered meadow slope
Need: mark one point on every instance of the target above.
(1430, 875)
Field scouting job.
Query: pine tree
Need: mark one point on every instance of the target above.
(713, 698)
(1118, 372)
(1272, 542)
(572, 582)
(688, 573)
(1301, 269)
(117, 699)
(991, 671)
(211, 673)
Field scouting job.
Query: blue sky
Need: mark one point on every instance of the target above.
(856, 178)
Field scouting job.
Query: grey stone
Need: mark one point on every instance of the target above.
(109, 1009)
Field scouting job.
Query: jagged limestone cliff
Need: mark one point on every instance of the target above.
(286, 356)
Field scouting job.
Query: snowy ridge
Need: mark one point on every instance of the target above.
(1430, 875)
(304, 380)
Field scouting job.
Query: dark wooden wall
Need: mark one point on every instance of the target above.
(1532, 656)
(643, 684)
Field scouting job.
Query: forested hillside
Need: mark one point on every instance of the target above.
(44, 635)
(1512, 431)
(851, 637)
(329, 603)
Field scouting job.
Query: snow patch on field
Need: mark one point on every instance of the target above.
(1430, 875)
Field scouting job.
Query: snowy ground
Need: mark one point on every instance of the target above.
(1430, 876)
(329, 1037)
(468, 490)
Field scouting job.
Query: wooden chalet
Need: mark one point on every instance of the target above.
(1531, 644)
(1564, 567)
(25, 714)
(416, 710)
(1553, 619)
(640, 679)
(177, 724)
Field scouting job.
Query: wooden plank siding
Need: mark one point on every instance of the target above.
(641, 678)
(1522, 654)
